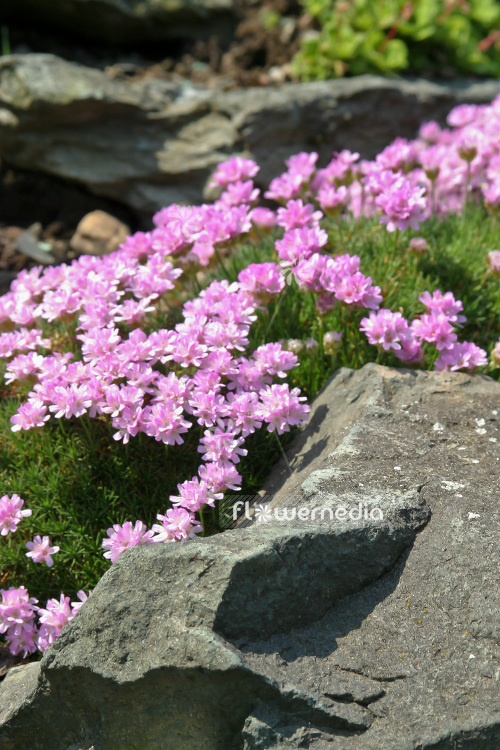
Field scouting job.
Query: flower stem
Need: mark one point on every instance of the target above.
(283, 455)
(466, 196)
(273, 317)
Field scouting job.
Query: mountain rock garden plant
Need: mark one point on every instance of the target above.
(141, 386)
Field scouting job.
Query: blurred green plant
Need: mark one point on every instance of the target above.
(391, 36)
(5, 40)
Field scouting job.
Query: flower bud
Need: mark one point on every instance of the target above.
(418, 246)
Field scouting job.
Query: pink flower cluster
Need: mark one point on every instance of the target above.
(409, 180)
(202, 373)
(161, 384)
(41, 551)
(11, 513)
(22, 630)
(391, 332)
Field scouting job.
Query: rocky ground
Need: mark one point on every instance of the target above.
(376, 632)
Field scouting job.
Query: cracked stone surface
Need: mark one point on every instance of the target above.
(150, 143)
(328, 634)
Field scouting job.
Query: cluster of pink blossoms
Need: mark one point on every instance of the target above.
(390, 331)
(201, 372)
(11, 513)
(18, 611)
(409, 180)
(28, 628)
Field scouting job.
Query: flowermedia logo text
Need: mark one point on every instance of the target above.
(263, 513)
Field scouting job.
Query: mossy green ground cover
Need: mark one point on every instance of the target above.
(437, 37)
(78, 481)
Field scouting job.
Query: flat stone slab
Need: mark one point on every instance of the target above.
(332, 633)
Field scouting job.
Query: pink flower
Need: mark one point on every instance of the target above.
(386, 329)
(262, 279)
(302, 164)
(418, 246)
(462, 115)
(234, 169)
(131, 421)
(31, 414)
(185, 351)
(461, 356)
(99, 342)
(206, 407)
(176, 525)
(282, 408)
(16, 607)
(309, 272)
(400, 154)
(340, 170)
(430, 131)
(300, 244)
(297, 215)
(165, 422)
(133, 312)
(358, 290)
(263, 217)
(220, 476)
(436, 329)
(22, 366)
(274, 360)
(444, 304)
(41, 551)
(239, 192)
(52, 620)
(331, 199)
(411, 352)
(23, 638)
(125, 536)
(285, 187)
(17, 620)
(402, 204)
(243, 412)
(11, 513)
(70, 402)
(194, 495)
(222, 446)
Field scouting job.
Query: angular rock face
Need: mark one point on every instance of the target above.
(129, 21)
(151, 143)
(377, 631)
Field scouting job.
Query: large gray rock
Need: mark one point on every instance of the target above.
(151, 143)
(130, 21)
(329, 634)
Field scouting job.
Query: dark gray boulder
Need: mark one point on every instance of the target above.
(150, 143)
(129, 21)
(334, 633)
